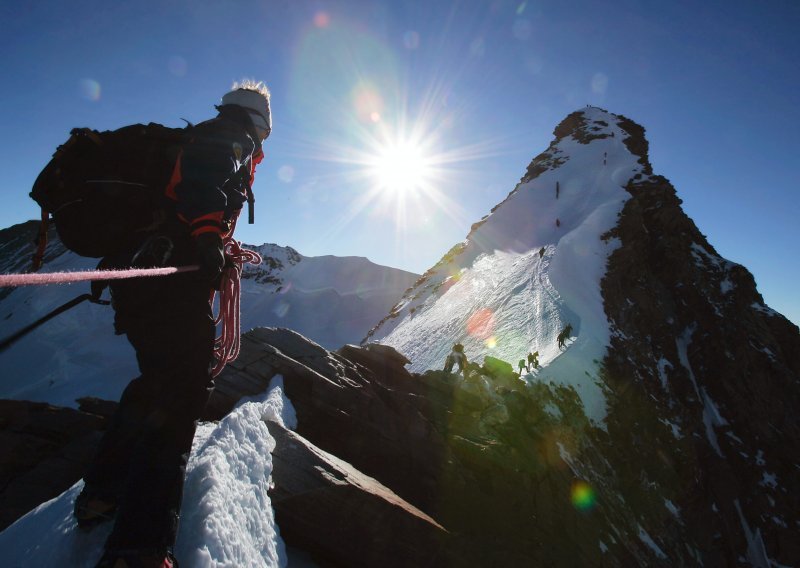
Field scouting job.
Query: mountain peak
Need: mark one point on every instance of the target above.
(541, 246)
(585, 126)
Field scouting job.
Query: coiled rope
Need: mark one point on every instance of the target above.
(227, 345)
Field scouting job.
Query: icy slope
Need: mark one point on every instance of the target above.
(332, 300)
(531, 267)
(227, 517)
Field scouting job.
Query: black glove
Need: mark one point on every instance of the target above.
(210, 257)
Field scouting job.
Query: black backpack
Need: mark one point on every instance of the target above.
(102, 188)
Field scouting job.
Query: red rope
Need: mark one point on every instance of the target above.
(226, 346)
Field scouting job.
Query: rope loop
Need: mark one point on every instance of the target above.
(227, 345)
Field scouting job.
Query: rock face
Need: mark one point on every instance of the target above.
(489, 459)
(44, 450)
(705, 387)
(365, 524)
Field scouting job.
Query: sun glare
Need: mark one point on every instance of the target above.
(401, 168)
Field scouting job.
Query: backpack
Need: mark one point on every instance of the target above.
(101, 188)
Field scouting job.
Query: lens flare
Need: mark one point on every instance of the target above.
(281, 309)
(583, 496)
(411, 40)
(90, 89)
(349, 87)
(368, 103)
(177, 66)
(286, 174)
(322, 19)
(481, 324)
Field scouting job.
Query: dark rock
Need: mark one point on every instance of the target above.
(703, 384)
(342, 517)
(44, 450)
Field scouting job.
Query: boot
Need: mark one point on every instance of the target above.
(134, 559)
(92, 508)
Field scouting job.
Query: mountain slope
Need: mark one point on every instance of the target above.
(691, 383)
(332, 300)
(531, 267)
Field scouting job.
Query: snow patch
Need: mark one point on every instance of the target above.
(672, 508)
(768, 480)
(756, 551)
(648, 540)
(662, 374)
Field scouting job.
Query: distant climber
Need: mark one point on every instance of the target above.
(564, 335)
(558, 189)
(522, 366)
(558, 222)
(541, 252)
(533, 360)
(456, 356)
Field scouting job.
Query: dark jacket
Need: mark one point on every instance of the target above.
(212, 176)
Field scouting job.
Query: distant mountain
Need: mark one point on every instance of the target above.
(332, 300)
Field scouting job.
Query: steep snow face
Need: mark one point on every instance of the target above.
(532, 267)
(227, 517)
(332, 300)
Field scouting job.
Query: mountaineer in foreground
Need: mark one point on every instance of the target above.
(138, 473)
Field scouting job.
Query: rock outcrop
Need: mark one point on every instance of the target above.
(343, 517)
(44, 450)
(704, 382)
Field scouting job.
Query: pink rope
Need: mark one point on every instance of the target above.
(227, 345)
(69, 277)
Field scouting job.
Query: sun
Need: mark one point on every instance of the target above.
(401, 167)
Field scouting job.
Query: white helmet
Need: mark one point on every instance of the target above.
(255, 103)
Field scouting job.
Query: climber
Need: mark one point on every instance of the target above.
(137, 475)
(456, 356)
(564, 335)
(523, 366)
(533, 360)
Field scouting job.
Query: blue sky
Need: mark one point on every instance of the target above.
(475, 86)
